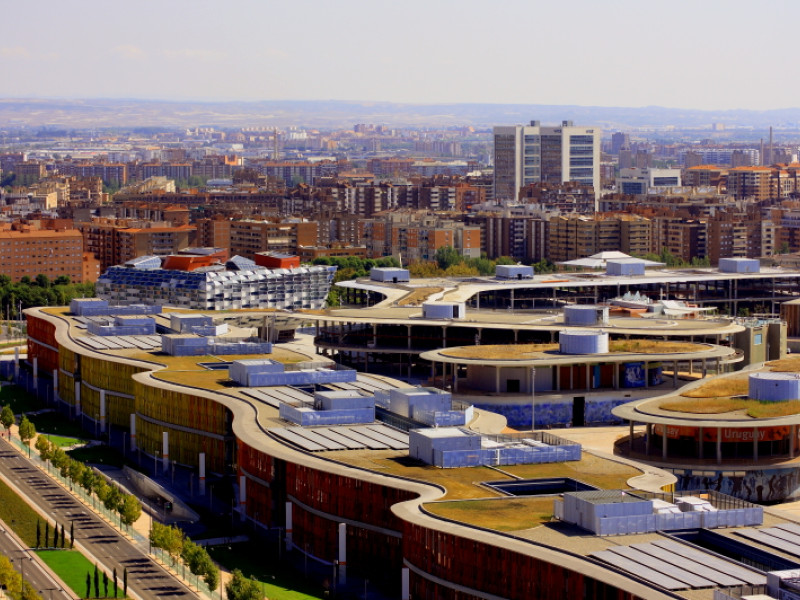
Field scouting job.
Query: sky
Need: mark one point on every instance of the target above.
(701, 54)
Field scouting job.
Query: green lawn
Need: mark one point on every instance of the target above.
(63, 442)
(279, 582)
(19, 400)
(99, 454)
(18, 515)
(55, 423)
(72, 567)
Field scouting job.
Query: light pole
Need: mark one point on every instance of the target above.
(533, 398)
(155, 463)
(96, 421)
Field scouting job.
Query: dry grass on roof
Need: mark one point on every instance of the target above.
(724, 387)
(785, 365)
(418, 296)
(207, 380)
(752, 408)
(594, 470)
(507, 352)
(654, 346)
(504, 514)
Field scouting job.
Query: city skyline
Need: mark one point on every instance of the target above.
(617, 54)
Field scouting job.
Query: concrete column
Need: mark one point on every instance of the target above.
(675, 374)
(792, 441)
(408, 327)
(405, 593)
(374, 336)
(455, 377)
(165, 450)
(102, 411)
(444, 336)
(572, 377)
(588, 378)
(630, 435)
(433, 373)
(133, 431)
(497, 379)
(512, 299)
(719, 445)
(342, 554)
(77, 398)
(242, 496)
(16, 363)
(664, 442)
(55, 385)
(755, 443)
(35, 373)
(646, 375)
(201, 471)
(516, 336)
(478, 301)
(648, 434)
(288, 525)
(558, 377)
(700, 442)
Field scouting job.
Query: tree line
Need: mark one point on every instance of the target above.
(175, 543)
(40, 291)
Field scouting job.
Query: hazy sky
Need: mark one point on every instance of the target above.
(693, 54)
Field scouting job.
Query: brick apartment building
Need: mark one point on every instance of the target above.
(46, 252)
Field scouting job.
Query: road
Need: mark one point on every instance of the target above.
(31, 569)
(146, 578)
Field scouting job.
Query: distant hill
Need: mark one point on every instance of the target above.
(99, 113)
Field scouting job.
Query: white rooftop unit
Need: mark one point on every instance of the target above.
(586, 315)
(389, 274)
(774, 387)
(443, 310)
(625, 266)
(739, 265)
(583, 342)
(513, 272)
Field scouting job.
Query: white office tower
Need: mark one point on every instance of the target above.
(525, 154)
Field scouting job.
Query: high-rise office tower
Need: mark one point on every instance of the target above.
(533, 153)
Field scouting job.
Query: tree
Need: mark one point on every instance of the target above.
(26, 431)
(113, 498)
(7, 419)
(115, 582)
(105, 584)
(62, 536)
(42, 280)
(125, 582)
(169, 539)
(46, 534)
(96, 582)
(88, 585)
(38, 534)
(29, 592)
(43, 446)
(130, 509)
(447, 256)
(9, 578)
(242, 588)
(55, 535)
(71, 535)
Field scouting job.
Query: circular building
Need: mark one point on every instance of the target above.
(737, 434)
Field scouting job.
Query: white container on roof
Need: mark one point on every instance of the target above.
(513, 272)
(443, 310)
(389, 274)
(583, 342)
(774, 387)
(625, 266)
(585, 315)
(739, 265)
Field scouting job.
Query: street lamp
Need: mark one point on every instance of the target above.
(533, 398)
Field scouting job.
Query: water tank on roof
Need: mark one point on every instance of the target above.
(586, 316)
(583, 342)
(774, 387)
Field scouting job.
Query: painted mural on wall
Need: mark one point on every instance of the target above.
(761, 486)
(556, 414)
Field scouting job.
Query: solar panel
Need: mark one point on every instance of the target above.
(318, 439)
(98, 343)
(640, 570)
(366, 440)
(770, 540)
(378, 383)
(793, 527)
(688, 565)
(383, 439)
(257, 395)
(391, 433)
(332, 434)
(297, 440)
(690, 579)
(782, 534)
(723, 566)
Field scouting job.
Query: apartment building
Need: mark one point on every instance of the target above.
(534, 153)
(523, 237)
(30, 253)
(761, 183)
(115, 241)
(705, 176)
(249, 237)
(638, 182)
(577, 236)
(111, 173)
